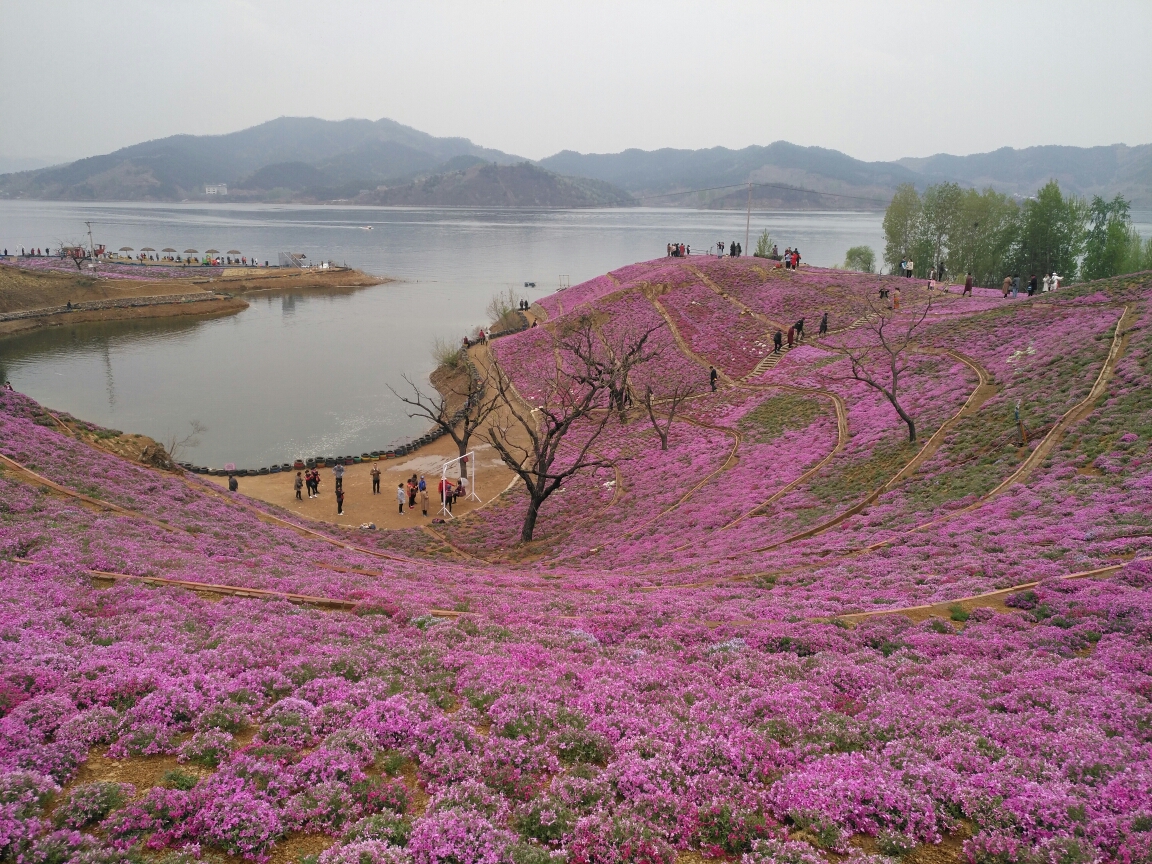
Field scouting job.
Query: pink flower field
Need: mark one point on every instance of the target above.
(793, 637)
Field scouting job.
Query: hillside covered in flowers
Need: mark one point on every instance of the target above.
(794, 636)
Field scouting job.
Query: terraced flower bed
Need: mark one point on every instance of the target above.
(725, 650)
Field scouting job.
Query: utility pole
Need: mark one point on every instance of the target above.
(748, 216)
(91, 245)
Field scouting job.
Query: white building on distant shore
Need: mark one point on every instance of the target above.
(216, 189)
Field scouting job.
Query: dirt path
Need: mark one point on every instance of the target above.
(1055, 435)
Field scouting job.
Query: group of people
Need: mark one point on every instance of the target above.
(679, 250)
(1011, 284)
(408, 492)
(791, 258)
(311, 479)
(735, 250)
(481, 339)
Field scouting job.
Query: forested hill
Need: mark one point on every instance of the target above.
(290, 158)
(1104, 171)
(1085, 171)
(491, 185)
(306, 159)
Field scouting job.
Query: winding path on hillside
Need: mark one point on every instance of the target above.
(1072, 416)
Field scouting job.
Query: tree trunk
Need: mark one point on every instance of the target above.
(663, 439)
(462, 445)
(904, 416)
(530, 520)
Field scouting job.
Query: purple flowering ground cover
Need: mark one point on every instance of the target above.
(686, 662)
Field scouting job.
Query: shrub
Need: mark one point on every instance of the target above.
(958, 613)
(177, 779)
(387, 827)
(240, 824)
(208, 748)
(728, 830)
(227, 717)
(781, 852)
(544, 820)
(89, 803)
(894, 843)
(575, 746)
(365, 852)
(604, 839)
(458, 837)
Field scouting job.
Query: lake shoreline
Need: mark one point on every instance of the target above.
(34, 299)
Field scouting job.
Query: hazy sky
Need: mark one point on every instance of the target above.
(877, 80)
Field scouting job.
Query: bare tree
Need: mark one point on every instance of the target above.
(571, 414)
(471, 396)
(662, 411)
(177, 446)
(881, 356)
(608, 360)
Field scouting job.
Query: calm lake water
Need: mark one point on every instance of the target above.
(308, 374)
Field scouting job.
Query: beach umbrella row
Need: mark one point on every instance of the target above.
(170, 250)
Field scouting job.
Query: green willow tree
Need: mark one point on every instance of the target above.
(860, 258)
(1112, 246)
(982, 240)
(902, 225)
(1051, 234)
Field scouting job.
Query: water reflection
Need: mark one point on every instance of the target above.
(308, 372)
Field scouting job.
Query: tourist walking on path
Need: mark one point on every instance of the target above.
(400, 497)
(967, 285)
(339, 502)
(232, 484)
(298, 484)
(777, 342)
(800, 330)
(823, 329)
(791, 335)
(375, 472)
(338, 473)
(712, 376)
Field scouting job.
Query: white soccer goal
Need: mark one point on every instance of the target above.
(467, 458)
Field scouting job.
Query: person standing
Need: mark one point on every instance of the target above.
(712, 376)
(233, 485)
(298, 484)
(791, 336)
(400, 496)
(375, 472)
(1006, 286)
(800, 330)
(1032, 285)
(823, 329)
(968, 285)
(777, 342)
(413, 490)
(1047, 283)
(339, 501)
(1055, 281)
(896, 300)
(1015, 285)
(423, 497)
(338, 473)
(796, 259)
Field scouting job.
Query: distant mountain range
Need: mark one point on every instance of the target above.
(305, 159)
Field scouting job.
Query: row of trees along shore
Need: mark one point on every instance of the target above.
(991, 235)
